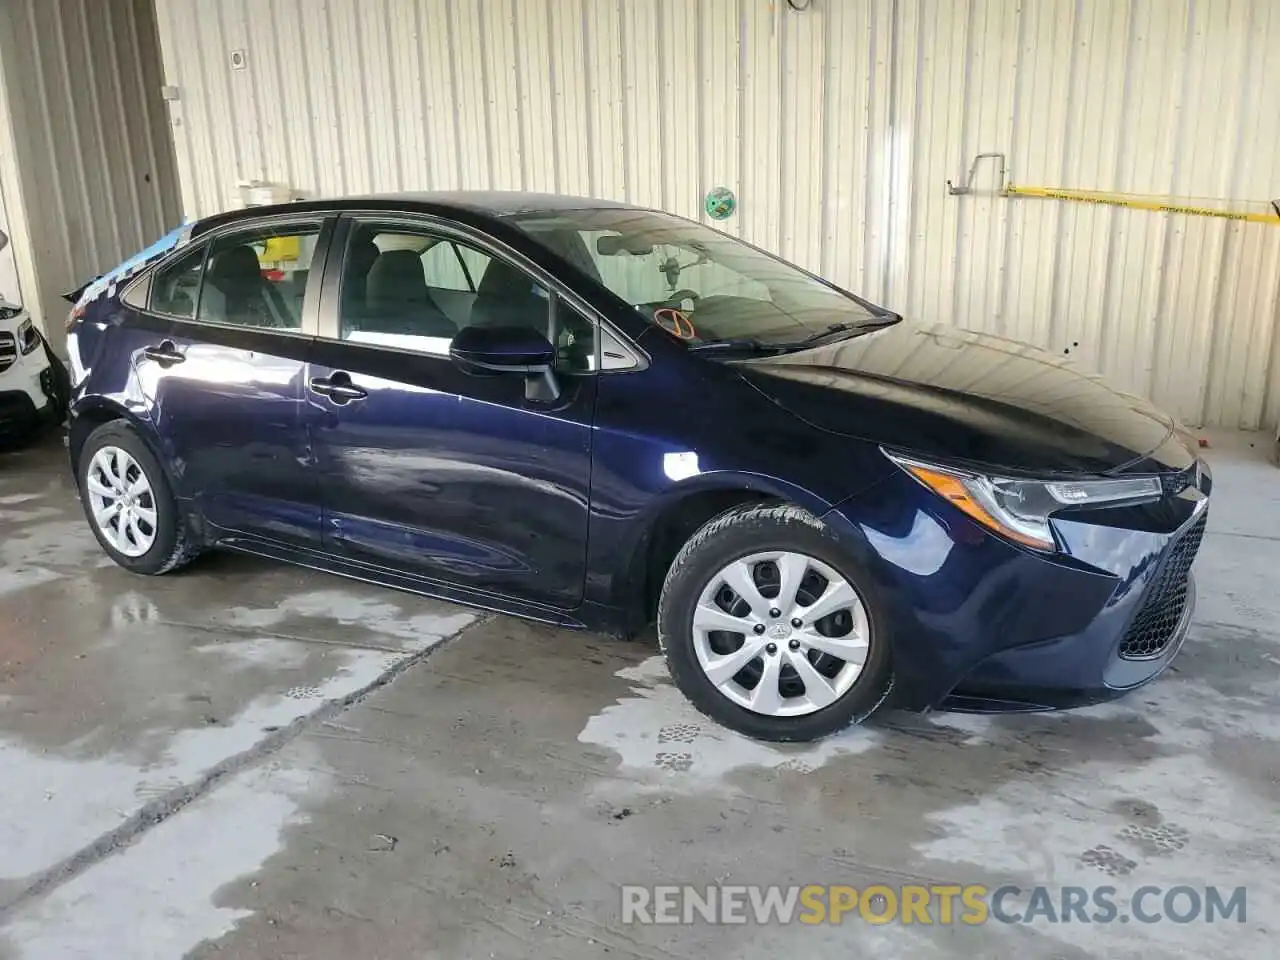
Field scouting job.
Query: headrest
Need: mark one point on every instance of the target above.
(238, 264)
(397, 275)
(504, 282)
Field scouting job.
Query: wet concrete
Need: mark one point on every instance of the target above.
(328, 779)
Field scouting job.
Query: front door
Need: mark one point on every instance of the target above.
(226, 374)
(431, 471)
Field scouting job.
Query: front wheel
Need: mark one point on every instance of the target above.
(770, 629)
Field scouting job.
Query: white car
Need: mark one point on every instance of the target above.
(28, 384)
(32, 380)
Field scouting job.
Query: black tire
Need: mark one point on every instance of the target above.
(174, 546)
(745, 530)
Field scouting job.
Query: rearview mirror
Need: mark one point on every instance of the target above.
(518, 350)
(613, 244)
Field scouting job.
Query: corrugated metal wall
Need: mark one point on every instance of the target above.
(837, 127)
(10, 289)
(89, 175)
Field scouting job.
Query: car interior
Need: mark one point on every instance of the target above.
(235, 291)
(418, 291)
(405, 290)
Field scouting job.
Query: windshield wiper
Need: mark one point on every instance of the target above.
(832, 330)
(753, 345)
(848, 326)
(739, 345)
(838, 330)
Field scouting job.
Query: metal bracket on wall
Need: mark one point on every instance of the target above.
(966, 186)
(1134, 201)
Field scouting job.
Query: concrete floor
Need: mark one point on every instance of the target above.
(247, 760)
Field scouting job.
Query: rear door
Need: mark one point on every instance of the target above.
(225, 374)
(430, 471)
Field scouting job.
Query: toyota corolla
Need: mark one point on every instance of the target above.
(599, 416)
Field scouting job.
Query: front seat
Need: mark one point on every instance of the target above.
(361, 256)
(246, 297)
(398, 302)
(508, 297)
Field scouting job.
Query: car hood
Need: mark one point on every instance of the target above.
(969, 397)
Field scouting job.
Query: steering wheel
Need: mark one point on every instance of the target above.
(682, 294)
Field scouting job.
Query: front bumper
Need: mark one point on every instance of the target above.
(26, 394)
(980, 624)
(1048, 676)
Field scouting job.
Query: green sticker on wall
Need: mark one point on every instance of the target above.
(720, 203)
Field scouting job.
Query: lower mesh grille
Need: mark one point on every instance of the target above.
(1157, 619)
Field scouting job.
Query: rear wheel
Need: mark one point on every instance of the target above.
(770, 629)
(128, 502)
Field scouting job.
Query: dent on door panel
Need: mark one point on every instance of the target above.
(482, 493)
(235, 416)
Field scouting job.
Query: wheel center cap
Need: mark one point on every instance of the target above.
(778, 631)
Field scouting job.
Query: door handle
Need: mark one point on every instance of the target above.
(165, 353)
(338, 388)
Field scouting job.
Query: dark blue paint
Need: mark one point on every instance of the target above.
(456, 477)
(454, 481)
(508, 349)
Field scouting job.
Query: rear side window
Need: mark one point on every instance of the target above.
(176, 287)
(251, 278)
(258, 278)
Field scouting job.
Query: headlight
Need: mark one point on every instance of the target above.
(8, 310)
(28, 339)
(1020, 509)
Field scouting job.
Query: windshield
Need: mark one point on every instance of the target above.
(695, 282)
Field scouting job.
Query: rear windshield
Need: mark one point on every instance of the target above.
(695, 282)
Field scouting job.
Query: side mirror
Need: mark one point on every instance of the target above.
(518, 350)
(4, 239)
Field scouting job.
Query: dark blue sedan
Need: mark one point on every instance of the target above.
(600, 416)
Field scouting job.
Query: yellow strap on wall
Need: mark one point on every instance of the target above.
(281, 249)
(1139, 203)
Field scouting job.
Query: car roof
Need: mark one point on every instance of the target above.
(491, 203)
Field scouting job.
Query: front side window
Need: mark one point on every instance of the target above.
(698, 283)
(258, 278)
(414, 290)
(449, 266)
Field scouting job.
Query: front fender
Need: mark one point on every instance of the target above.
(626, 546)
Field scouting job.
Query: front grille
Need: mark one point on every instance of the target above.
(1157, 619)
(8, 351)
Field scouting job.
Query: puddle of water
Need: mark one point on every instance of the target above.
(348, 609)
(659, 734)
(57, 803)
(13, 499)
(268, 652)
(13, 579)
(155, 900)
(1178, 817)
(1099, 824)
(66, 543)
(28, 516)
